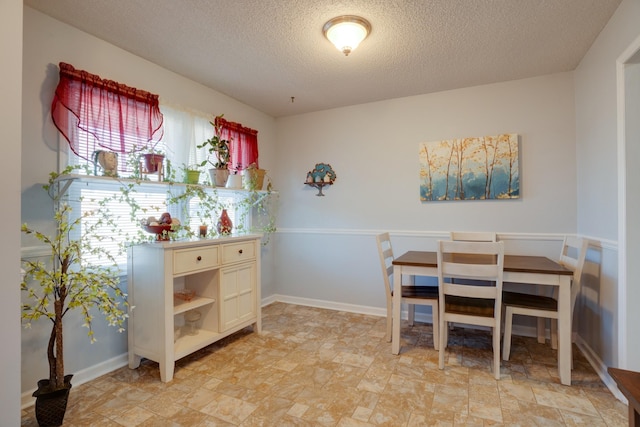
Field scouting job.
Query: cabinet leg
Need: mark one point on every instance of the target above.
(166, 371)
(134, 361)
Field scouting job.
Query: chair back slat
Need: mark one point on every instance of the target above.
(573, 256)
(471, 291)
(385, 251)
(474, 236)
(483, 262)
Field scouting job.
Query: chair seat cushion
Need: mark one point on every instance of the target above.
(470, 306)
(427, 292)
(540, 302)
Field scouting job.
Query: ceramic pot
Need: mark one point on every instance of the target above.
(234, 181)
(108, 161)
(192, 177)
(224, 223)
(219, 176)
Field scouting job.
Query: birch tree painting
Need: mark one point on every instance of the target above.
(477, 168)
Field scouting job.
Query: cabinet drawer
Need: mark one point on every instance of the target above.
(186, 260)
(237, 252)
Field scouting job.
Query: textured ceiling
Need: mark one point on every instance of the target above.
(263, 52)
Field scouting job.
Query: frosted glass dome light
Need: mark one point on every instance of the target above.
(346, 32)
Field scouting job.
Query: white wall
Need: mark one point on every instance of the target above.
(596, 136)
(46, 43)
(10, 118)
(326, 248)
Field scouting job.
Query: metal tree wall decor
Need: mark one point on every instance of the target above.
(322, 175)
(477, 168)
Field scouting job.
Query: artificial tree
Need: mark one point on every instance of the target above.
(68, 282)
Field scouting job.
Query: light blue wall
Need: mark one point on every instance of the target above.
(609, 307)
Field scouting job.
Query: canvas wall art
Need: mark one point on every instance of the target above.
(478, 168)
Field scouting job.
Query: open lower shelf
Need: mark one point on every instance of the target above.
(187, 344)
(180, 306)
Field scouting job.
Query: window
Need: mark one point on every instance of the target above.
(97, 114)
(88, 196)
(183, 131)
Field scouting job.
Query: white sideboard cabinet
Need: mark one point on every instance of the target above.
(185, 295)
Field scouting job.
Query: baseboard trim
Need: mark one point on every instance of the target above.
(599, 367)
(330, 305)
(83, 376)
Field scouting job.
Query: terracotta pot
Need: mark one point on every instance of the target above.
(253, 179)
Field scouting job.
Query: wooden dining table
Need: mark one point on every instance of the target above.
(537, 270)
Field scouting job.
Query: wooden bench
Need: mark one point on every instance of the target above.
(629, 384)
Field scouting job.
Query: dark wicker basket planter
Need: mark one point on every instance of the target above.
(51, 405)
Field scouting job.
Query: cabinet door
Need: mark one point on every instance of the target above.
(237, 295)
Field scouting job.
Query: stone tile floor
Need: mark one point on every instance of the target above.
(317, 367)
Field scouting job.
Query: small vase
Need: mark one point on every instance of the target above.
(224, 223)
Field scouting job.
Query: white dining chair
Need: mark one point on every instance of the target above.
(475, 298)
(572, 256)
(474, 236)
(411, 295)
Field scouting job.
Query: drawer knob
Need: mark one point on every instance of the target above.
(240, 251)
(199, 258)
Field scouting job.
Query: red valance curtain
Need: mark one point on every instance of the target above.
(93, 114)
(243, 146)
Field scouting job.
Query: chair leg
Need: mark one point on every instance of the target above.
(442, 346)
(389, 320)
(436, 326)
(554, 334)
(411, 314)
(496, 350)
(541, 330)
(508, 323)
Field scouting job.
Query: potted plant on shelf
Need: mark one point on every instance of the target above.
(67, 282)
(253, 177)
(152, 160)
(219, 149)
(191, 173)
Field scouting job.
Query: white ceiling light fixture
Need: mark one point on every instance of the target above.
(346, 32)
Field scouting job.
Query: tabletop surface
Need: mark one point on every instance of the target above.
(629, 384)
(512, 263)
